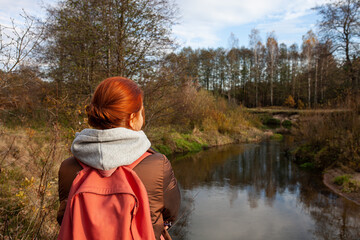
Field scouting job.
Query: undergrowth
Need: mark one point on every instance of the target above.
(28, 182)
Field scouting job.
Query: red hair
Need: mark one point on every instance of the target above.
(114, 100)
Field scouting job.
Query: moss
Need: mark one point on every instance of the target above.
(305, 153)
(273, 122)
(351, 186)
(264, 118)
(340, 180)
(277, 136)
(308, 165)
(286, 123)
(347, 183)
(185, 145)
(163, 149)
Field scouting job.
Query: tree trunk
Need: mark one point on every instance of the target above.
(321, 81)
(315, 87)
(293, 80)
(271, 86)
(309, 85)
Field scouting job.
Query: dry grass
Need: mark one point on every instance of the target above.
(29, 199)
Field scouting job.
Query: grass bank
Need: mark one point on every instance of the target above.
(168, 140)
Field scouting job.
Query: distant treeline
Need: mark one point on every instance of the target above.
(268, 73)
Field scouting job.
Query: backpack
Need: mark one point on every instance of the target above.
(115, 207)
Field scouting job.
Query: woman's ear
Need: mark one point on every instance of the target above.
(132, 121)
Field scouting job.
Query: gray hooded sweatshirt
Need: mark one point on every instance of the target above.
(110, 148)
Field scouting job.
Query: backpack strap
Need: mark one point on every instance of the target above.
(83, 165)
(134, 164)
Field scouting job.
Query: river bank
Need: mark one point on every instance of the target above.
(329, 179)
(169, 141)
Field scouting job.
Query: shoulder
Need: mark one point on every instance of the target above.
(153, 162)
(68, 170)
(151, 169)
(69, 165)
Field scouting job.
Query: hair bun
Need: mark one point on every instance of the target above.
(114, 100)
(96, 114)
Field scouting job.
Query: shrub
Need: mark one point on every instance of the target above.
(340, 180)
(286, 123)
(332, 139)
(300, 104)
(289, 102)
(351, 186)
(28, 196)
(348, 184)
(277, 136)
(307, 165)
(273, 122)
(305, 153)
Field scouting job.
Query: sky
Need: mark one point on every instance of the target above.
(209, 23)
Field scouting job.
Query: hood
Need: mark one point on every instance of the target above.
(110, 148)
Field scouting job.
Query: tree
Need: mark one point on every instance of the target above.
(294, 56)
(340, 23)
(256, 45)
(17, 42)
(88, 41)
(272, 52)
(308, 46)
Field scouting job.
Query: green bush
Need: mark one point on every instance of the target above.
(308, 165)
(351, 186)
(286, 123)
(348, 184)
(305, 153)
(273, 122)
(277, 136)
(340, 180)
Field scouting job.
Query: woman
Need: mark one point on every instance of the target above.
(116, 114)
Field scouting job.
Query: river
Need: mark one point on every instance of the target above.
(254, 191)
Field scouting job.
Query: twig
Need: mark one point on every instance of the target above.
(6, 154)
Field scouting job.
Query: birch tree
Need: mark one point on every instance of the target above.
(272, 56)
(308, 46)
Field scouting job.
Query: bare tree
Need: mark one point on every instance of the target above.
(17, 42)
(341, 23)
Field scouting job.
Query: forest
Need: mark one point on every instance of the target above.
(194, 98)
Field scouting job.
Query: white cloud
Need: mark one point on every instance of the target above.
(203, 19)
(11, 9)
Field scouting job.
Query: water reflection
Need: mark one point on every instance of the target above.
(253, 191)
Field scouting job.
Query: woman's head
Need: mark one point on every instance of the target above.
(117, 102)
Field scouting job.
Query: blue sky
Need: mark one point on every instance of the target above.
(209, 23)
